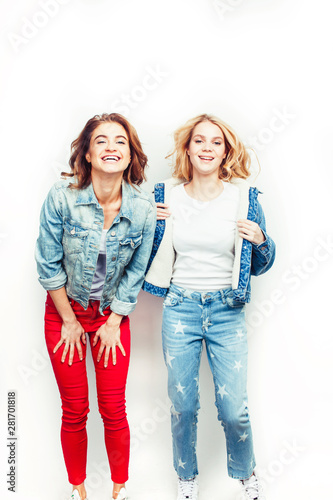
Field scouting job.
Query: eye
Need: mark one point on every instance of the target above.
(120, 142)
(217, 143)
(100, 142)
(197, 141)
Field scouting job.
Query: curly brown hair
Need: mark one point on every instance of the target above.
(81, 169)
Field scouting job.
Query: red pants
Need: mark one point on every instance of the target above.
(73, 387)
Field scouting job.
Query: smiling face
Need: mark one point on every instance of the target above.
(109, 151)
(207, 148)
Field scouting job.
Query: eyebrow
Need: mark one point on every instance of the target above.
(105, 137)
(204, 137)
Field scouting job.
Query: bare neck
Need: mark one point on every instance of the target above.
(107, 191)
(204, 187)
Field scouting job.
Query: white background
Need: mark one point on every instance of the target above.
(248, 62)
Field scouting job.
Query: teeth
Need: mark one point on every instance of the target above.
(110, 158)
(205, 158)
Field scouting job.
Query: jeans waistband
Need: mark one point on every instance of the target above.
(91, 302)
(200, 296)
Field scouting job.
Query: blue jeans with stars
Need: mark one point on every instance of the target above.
(189, 318)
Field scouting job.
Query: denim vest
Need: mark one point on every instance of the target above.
(250, 259)
(67, 248)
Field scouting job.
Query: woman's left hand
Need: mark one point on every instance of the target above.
(250, 231)
(162, 211)
(109, 335)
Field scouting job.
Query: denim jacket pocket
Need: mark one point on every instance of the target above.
(127, 247)
(73, 237)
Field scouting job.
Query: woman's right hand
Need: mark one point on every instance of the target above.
(162, 211)
(71, 334)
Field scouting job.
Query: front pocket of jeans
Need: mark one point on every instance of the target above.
(231, 302)
(171, 300)
(234, 304)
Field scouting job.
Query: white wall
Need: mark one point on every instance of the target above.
(264, 67)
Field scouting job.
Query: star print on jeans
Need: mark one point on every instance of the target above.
(238, 365)
(180, 327)
(174, 412)
(181, 464)
(169, 358)
(205, 324)
(222, 392)
(180, 388)
(239, 334)
(243, 437)
(187, 294)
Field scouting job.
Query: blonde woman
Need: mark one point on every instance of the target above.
(210, 237)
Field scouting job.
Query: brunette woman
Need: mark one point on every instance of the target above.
(96, 233)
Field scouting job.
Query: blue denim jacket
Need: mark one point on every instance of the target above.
(250, 259)
(71, 225)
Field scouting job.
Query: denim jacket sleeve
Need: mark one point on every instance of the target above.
(49, 250)
(129, 286)
(263, 255)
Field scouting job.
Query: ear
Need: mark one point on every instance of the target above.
(88, 158)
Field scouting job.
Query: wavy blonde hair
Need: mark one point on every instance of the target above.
(235, 164)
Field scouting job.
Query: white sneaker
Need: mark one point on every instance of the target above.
(187, 489)
(252, 489)
(76, 495)
(122, 494)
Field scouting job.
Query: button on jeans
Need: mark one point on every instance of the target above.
(189, 318)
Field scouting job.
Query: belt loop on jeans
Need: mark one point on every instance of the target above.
(222, 292)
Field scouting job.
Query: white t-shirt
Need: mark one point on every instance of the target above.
(203, 238)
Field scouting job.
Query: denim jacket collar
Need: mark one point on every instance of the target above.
(87, 197)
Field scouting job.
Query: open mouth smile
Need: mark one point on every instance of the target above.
(206, 158)
(111, 158)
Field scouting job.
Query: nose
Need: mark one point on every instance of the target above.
(206, 147)
(110, 146)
